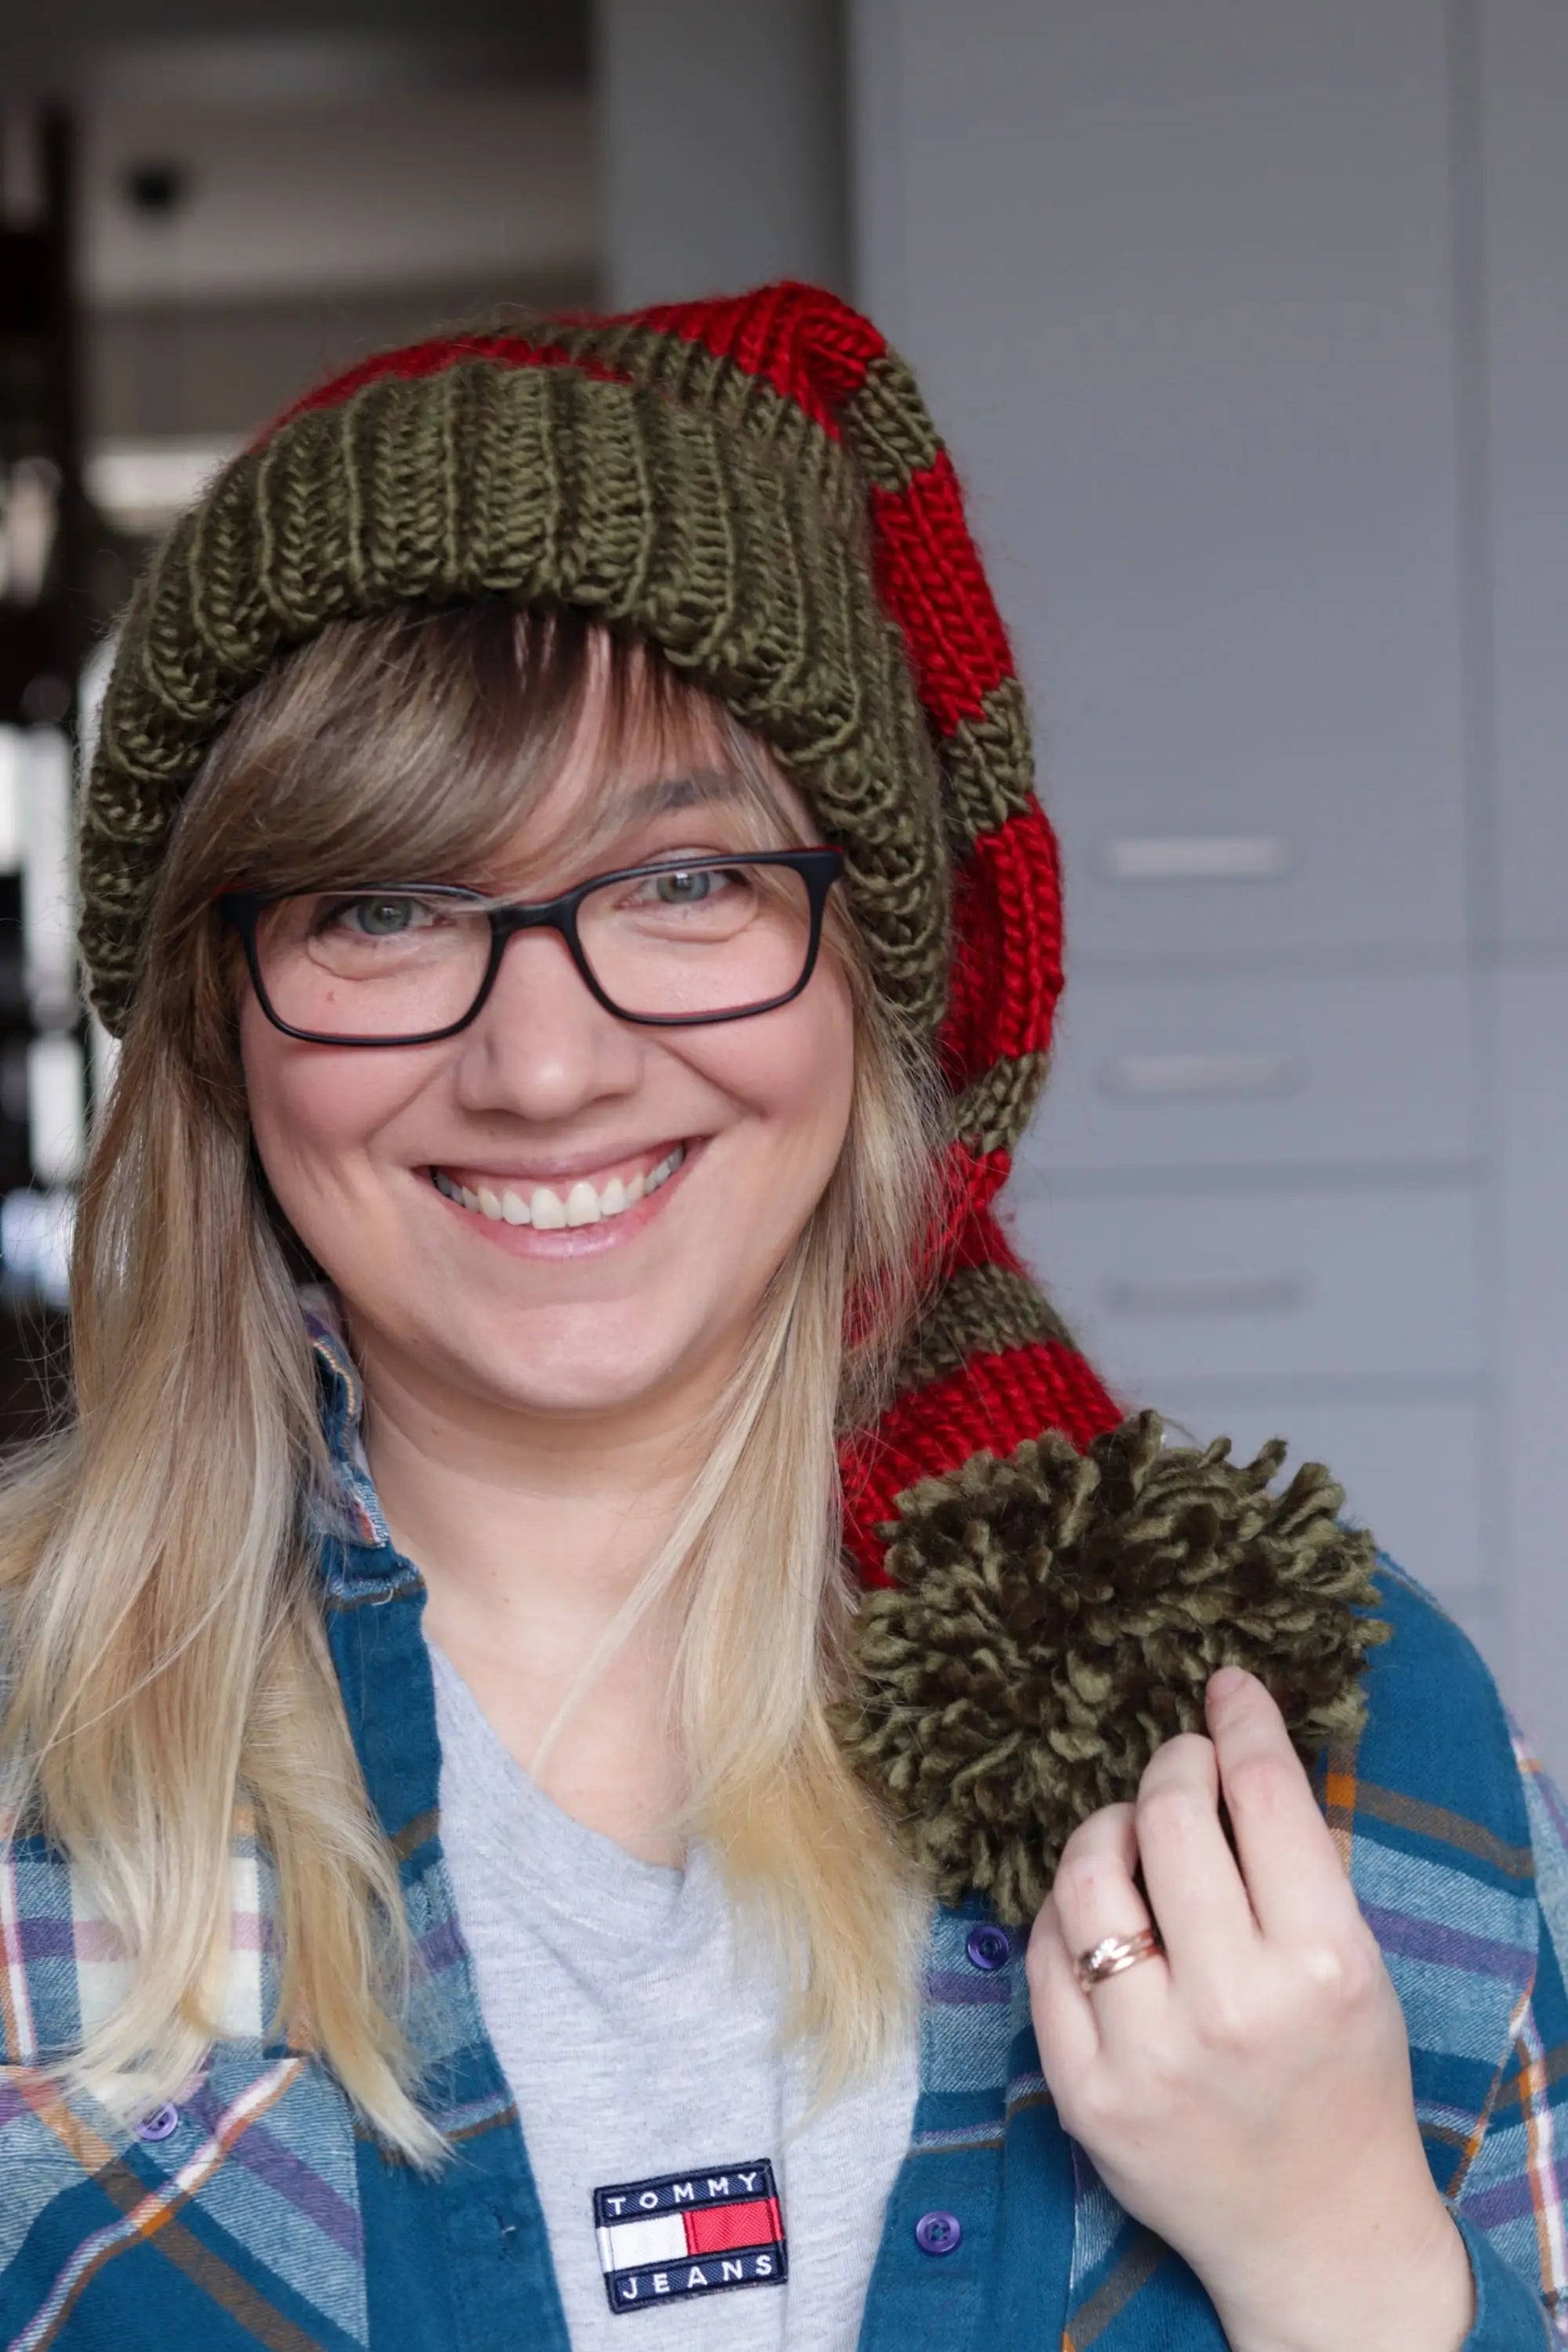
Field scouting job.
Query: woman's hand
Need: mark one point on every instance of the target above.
(1246, 2093)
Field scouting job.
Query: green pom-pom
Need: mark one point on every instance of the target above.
(1056, 1617)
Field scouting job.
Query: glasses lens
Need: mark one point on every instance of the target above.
(372, 963)
(698, 940)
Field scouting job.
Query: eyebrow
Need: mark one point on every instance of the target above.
(670, 792)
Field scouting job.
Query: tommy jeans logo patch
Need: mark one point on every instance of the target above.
(690, 2233)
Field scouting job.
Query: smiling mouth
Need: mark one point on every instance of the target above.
(551, 1208)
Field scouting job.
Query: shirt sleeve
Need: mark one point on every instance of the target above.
(1513, 2205)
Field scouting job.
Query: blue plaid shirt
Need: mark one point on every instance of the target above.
(253, 2213)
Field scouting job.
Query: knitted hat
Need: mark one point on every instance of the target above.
(754, 484)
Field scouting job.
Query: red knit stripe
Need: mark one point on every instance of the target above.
(931, 582)
(803, 343)
(1015, 869)
(433, 359)
(1006, 969)
(992, 1405)
(977, 1238)
(965, 1233)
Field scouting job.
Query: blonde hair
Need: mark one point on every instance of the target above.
(167, 1662)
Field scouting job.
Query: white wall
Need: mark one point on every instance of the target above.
(1247, 324)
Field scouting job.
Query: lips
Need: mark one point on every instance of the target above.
(552, 1207)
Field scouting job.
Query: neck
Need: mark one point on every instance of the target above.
(532, 1532)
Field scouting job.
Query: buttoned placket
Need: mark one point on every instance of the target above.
(937, 2276)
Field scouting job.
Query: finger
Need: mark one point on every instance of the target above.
(1193, 1884)
(1097, 1896)
(1065, 2027)
(1295, 1879)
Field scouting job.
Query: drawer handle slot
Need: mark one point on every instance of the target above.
(1208, 1294)
(1164, 1077)
(1197, 857)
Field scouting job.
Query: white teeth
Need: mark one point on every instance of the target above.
(545, 1210)
(581, 1205)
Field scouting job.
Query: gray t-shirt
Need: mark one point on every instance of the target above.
(641, 2044)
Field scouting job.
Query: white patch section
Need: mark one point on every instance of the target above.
(628, 2245)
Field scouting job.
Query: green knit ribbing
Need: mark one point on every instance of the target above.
(687, 373)
(991, 1114)
(542, 486)
(890, 427)
(983, 1311)
(989, 764)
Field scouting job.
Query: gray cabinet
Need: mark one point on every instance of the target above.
(1523, 99)
(1189, 1073)
(1528, 1272)
(1412, 1472)
(1176, 273)
(1249, 327)
(1220, 1288)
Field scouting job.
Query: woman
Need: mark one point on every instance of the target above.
(603, 1713)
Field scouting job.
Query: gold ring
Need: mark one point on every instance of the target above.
(1114, 1953)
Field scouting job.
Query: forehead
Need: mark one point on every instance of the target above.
(628, 772)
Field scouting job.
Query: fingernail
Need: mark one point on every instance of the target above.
(1227, 1681)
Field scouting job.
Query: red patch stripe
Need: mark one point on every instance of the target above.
(725, 2229)
(931, 580)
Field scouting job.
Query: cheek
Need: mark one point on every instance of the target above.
(795, 1074)
(312, 1113)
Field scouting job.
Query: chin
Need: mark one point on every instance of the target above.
(601, 1378)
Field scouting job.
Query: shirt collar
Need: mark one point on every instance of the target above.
(350, 1508)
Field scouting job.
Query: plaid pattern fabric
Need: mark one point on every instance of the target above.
(250, 2212)
(1455, 1841)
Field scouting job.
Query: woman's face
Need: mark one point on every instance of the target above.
(720, 1139)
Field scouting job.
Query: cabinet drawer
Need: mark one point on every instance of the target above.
(1278, 1284)
(1227, 1073)
(1412, 1473)
(1178, 278)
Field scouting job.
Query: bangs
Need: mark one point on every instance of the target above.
(422, 744)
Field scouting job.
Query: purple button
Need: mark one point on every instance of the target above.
(938, 2234)
(989, 1947)
(161, 2122)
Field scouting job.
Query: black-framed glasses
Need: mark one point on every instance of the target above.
(672, 944)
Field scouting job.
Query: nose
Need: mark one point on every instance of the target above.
(541, 1045)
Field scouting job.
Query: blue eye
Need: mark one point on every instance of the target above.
(380, 918)
(684, 890)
